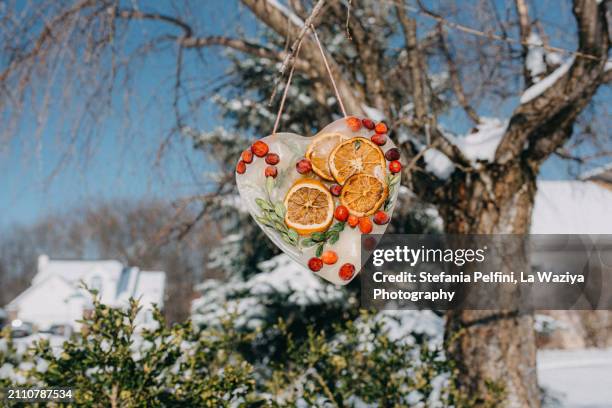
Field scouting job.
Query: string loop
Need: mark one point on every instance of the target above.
(290, 77)
(329, 72)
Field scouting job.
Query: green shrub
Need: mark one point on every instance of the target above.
(111, 363)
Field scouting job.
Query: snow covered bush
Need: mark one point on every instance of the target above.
(9, 360)
(356, 362)
(112, 363)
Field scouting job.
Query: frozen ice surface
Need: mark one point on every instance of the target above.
(292, 147)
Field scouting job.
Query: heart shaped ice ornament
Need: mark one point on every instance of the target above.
(315, 196)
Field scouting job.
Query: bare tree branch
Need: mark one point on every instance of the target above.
(414, 55)
(247, 47)
(187, 40)
(369, 50)
(455, 80)
(425, 123)
(536, 123)
(277, 20)
(130, 14)
(307, 23)
(525, 31)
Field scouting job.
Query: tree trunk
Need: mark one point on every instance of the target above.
(492, 347)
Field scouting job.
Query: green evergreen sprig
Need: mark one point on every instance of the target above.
(392, 181)
(331, 236)
(273, 216)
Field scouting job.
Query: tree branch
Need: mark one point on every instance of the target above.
(414, 55)
(542, 124)
(454, 76)
(449, 149)
(525, 31)
(258, 50)
(307, 23)
(278, 21)
(187, 40)
(370, 54)
(130, 14)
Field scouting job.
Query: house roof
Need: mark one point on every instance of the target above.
(572, 207)
(25, 295)
(75, 270)
(117, 282)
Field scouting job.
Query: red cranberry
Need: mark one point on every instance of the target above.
(247, 156)
(379, 138)
(346, 271)
(271, 171)
(392, 154)
(335, 189)
(395, 166)
(259, 148)
(272, 158)
(368, 123)
(303, 166)
(315, 264)
(341, 213)
(381, 128)
(381, 218)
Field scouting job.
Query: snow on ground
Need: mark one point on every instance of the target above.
(575, 207)
(541, 86)
(580, 378)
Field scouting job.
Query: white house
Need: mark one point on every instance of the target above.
(56, 297)
(572, 207)
(577, 207)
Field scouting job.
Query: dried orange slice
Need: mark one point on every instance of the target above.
(310, 207)
(356, 155)
(319, 150)
(363, 194)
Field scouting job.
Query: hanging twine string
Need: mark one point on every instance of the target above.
(290, 77)
(331, 77)
(286, 90)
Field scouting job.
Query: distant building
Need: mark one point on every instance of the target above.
(56, 299)
(576, 207)
(572, 207)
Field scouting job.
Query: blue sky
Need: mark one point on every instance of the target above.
(122, 162)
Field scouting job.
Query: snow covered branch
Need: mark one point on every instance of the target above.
(525, 33)
(544, 120)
